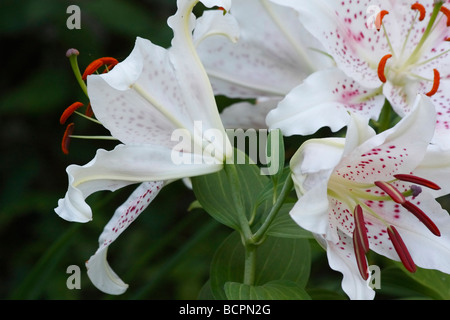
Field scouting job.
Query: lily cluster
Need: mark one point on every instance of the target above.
(378, 74)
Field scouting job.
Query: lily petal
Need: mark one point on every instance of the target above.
(341, 257)
(125, 165)
(215, 23)
(436, 167)
(99, 271)
(399, 148)
(312, 166)
(344, 33)
(324, 99)
(273, 55)
(245, 115)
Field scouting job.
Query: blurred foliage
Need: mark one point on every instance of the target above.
(167, 253)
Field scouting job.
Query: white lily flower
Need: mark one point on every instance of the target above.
(144, 101)
(272, 54)
(375, 192)
(383, 49)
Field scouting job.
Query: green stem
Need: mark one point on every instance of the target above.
(287, 187)
(250, 264)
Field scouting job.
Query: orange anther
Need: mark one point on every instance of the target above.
(379, 19)
(446, 11)
(417, 6)
(91, 68)
(69, 111)
(381, 67)
(436, 83)
(96, 64)
(66, 138)
(89, 112)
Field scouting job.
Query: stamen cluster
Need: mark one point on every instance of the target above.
(360, 237)
(108, 63)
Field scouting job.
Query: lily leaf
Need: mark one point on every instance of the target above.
(214, 193)
(274, 290)
(277, 259)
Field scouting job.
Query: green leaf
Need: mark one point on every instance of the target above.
(434, 283)
(274, 290)
(277, 259)
(214, 193)
(284, 226)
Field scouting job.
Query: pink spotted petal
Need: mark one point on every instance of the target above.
(341, 257)
(397, 150)
(343, 31)
(324, 99)
(99, 271)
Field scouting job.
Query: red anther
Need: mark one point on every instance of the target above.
(401, 249)
(417, 180)
(69, 111)
(360, 257)
(447, 39)
(89, 112)
(66, 138)
(391, 191)
(360, 228)
(446, 11)
(379, 19)
(436, 83)
(421, 9)
(422, 217)
(382, 66)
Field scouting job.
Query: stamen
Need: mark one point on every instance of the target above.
(401, 249)
(69, 111)
(360, 257)
(446, 11)
(422, 217)
(66, 138)
(382, 66)
(417, 180)
(436, 83)
(223, 9)
(421, 9)
(379, 19)
(91, 68)
(360, 228)
(392, 192)
(89, 112)
(96, 64)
